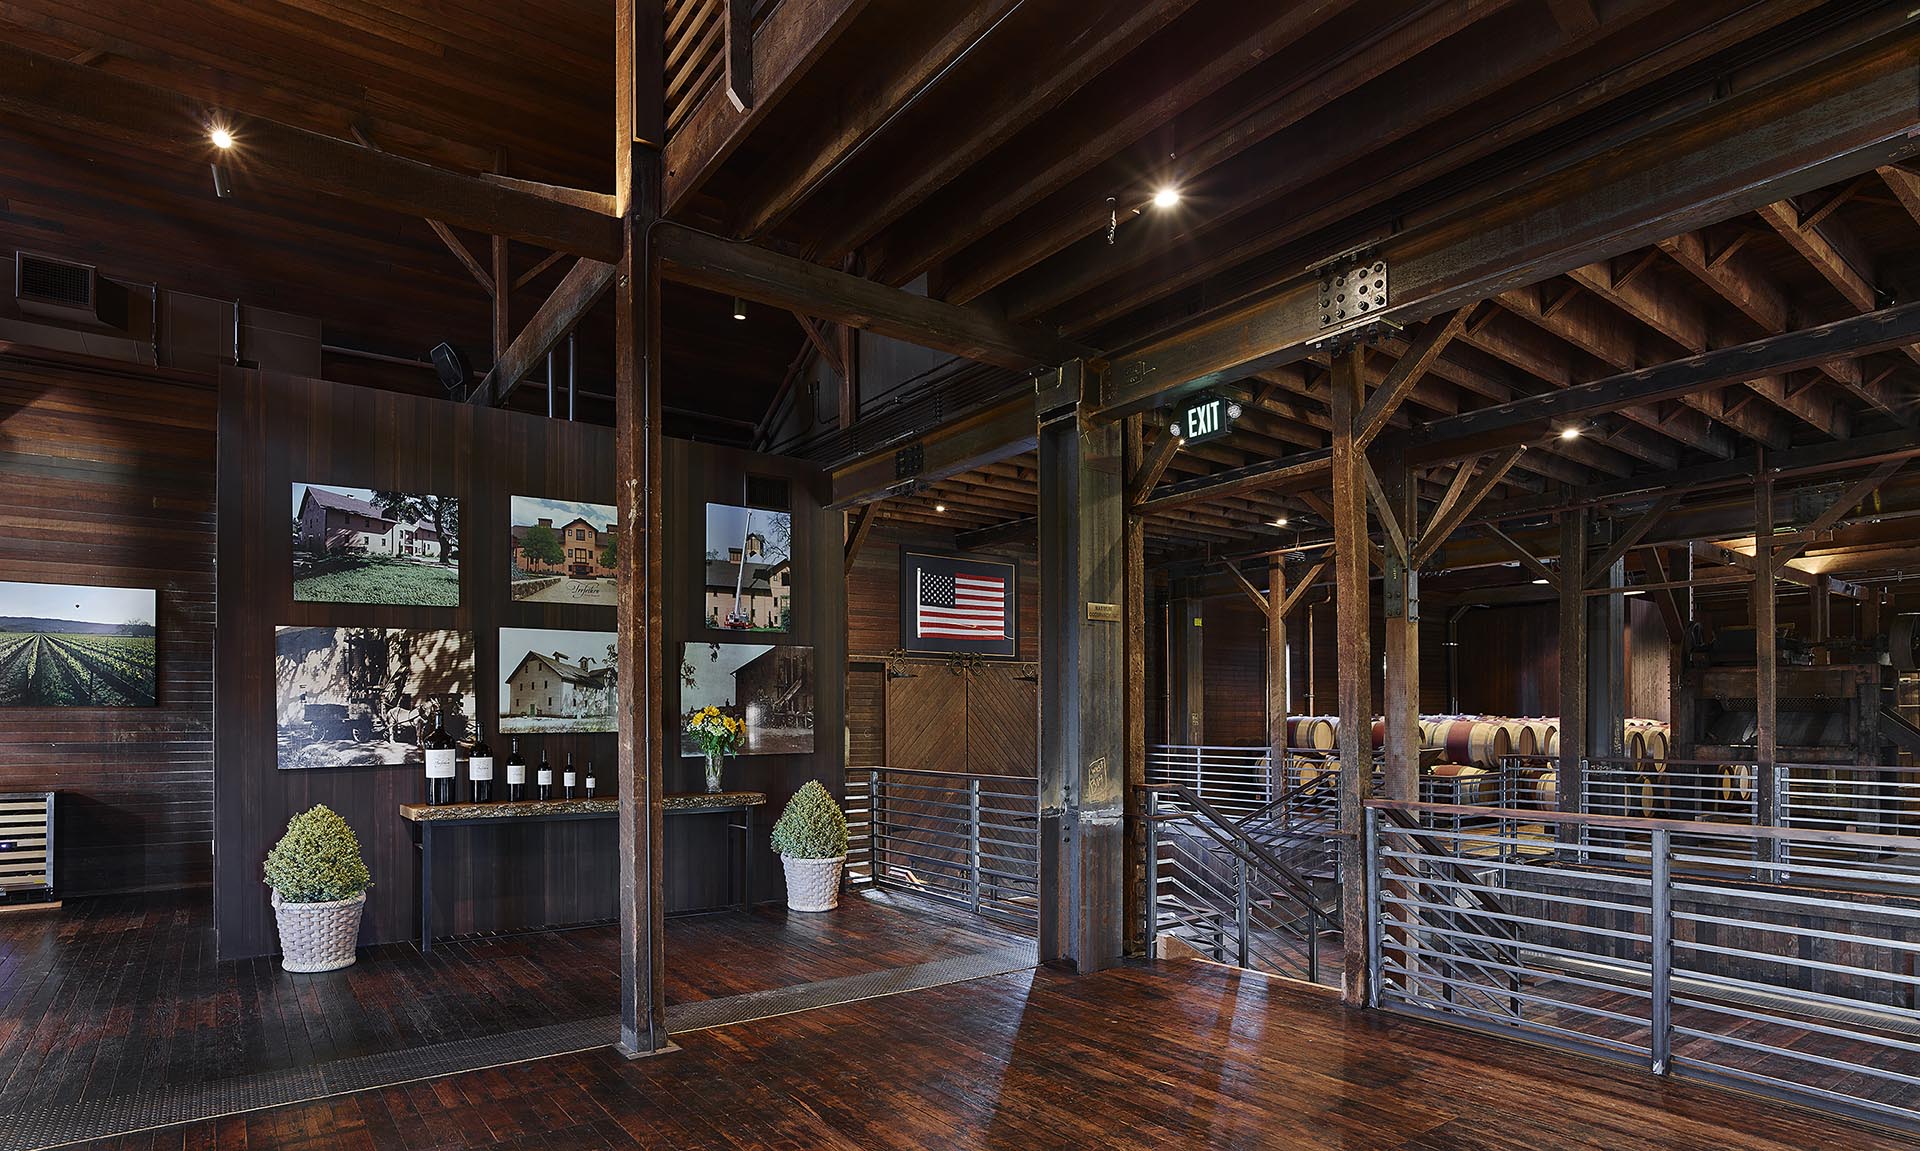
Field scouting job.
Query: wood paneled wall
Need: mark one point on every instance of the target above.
(276, 430)
(698, 474)
(106, 477)
(936, 717)
(1510, 661)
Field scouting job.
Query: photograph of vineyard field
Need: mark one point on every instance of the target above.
(72, 645)
(375, 546)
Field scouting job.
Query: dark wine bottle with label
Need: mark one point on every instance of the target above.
(441, 754)
(590, 781)
(480, 768)
(516, 774)
(543, 778)
(568, 780)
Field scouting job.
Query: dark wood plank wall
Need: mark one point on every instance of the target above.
(1234, 670)
(1510, 661)
(281, 429)
(698, 474)
(106, 477)
(935, 717)
(276, 430)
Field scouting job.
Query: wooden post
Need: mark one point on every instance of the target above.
(638, 134)
(1400, 591)
(1573, 663)
(1186, 712)
(502, 299)
(1352, 609)
(1133, 607)
(1276, 675)
(1083, 668)
(1607, 666)
(1766, 666)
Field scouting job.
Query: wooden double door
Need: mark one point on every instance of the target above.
(982, 719)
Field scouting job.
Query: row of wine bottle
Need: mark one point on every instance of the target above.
(443, 769)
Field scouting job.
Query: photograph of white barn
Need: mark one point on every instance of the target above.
(553, 681)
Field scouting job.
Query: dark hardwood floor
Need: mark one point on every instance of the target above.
(116, 995)
(1185, 1055)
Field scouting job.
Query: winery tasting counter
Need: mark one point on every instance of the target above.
(426, 817)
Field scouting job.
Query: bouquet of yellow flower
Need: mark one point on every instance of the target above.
(716, 732)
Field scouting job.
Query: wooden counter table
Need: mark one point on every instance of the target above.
(426, 816)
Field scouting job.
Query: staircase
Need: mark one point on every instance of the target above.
(1261, 892)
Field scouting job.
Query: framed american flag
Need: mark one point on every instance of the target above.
(958, 604)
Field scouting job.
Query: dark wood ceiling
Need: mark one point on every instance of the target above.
(1003, 153)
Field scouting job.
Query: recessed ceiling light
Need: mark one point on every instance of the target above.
(1280, 521)
(1166, 197)
(1542, 580)
(222, 139)
(1569, 433)
(939, 507)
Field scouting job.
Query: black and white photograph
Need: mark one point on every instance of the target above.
(749, 578)
(557, 681)
(375, 546)
(76, 645)
(769, 688)
(563, 551)
(364, 696)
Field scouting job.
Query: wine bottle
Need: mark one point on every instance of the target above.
(480, 768)
(568, 779)
(516, 774)
(543, 778)
(440, 761)
(589, 779)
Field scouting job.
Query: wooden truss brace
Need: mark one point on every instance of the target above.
(1253, 593)
(1400, 379)
(1301, 585)
(1847, 501)
(1441, 526)
(1151, 469)
(861, 524)
(1527, 559)
(1636, 531)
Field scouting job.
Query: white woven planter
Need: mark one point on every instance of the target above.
(318, 936)
(813, 884)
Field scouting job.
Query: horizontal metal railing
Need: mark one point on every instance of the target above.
(968, 839)
(1240, 779)
(1631, 938)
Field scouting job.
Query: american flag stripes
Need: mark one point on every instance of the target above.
(960, 606)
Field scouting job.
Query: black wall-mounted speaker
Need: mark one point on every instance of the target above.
(451, 366)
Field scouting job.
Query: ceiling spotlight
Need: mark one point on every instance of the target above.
(1233, 410)
(940, 507)
(222, 139)
(1541, 581)
(1280, 521)
(739, 308)
(1569, 433)
(1166, 197)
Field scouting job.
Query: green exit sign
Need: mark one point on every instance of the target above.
(1206, 418)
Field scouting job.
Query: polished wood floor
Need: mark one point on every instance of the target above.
(111, 995)
(1183, 1055)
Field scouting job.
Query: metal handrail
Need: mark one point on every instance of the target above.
(1691, 973)
(930, 832)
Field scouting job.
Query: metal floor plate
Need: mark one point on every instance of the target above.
(55, 1125)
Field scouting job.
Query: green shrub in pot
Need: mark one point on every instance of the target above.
(319, 883)
(811, 837)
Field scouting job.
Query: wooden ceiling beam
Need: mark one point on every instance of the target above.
(51, 91)
(859, 109)
(1003, 430)
(736, 269)
(577, 291)
(1833, 251)
(791, 40)
(1534, 417)
(1308, 468)
(1090, 129)
(1083, 40)
(1804, 131)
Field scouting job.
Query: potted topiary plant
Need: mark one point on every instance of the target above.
(319, 887)
(811, 837)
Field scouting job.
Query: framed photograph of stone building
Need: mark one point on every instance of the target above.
(375, 546)
(557, 681)
(367, 696)
(563, 551)
(749, 569)
(770, 688)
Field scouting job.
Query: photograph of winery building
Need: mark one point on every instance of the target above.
(1147, 574)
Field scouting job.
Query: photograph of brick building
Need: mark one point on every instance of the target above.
(366, 545)
(749, 578)
(563, 551)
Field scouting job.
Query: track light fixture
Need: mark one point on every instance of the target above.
(739, 308)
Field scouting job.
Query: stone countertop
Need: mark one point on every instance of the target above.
(679, 801)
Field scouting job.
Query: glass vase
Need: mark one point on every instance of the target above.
(715, 760)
